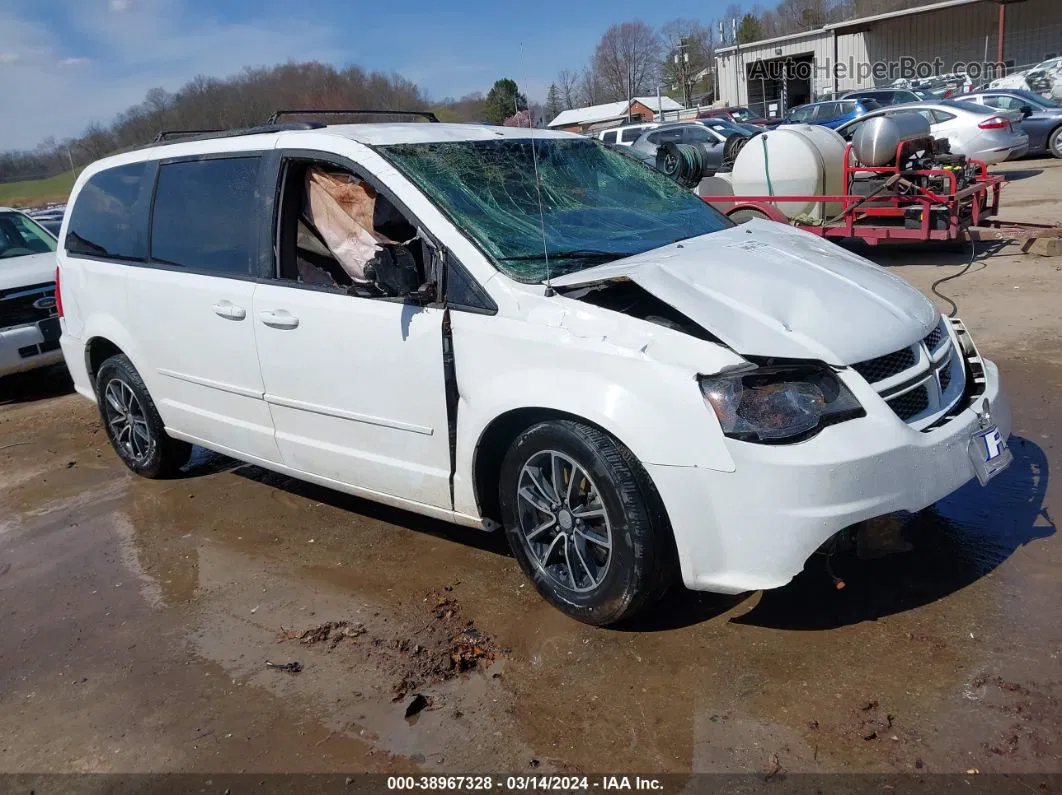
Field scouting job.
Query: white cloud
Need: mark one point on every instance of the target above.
(152, 43)
(10, 57)
(118, 6)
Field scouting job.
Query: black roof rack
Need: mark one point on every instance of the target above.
(180, 136)
(423, 114)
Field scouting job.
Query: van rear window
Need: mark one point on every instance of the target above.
(104, 221)
(204, 212)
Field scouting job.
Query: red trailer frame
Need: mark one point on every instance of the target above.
(879, 217)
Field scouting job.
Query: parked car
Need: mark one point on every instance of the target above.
(1041, 118)
(830, 114)
(625, 135)
(711, 136)
(29, 328)
(736, 114)
(973, 130)
(885, 96)
(566, 344)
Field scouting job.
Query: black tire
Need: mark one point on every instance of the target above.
(136, 433)
(1054, 143)
(641, 563)
(746, 215)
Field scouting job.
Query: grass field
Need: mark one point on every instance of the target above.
(38, 191)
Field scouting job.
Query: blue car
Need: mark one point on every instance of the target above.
(1041, 118)
(831, 114)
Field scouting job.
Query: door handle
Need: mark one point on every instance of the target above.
(279, 319)
(229, 310)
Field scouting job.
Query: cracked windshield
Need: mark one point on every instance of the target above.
(597, 205)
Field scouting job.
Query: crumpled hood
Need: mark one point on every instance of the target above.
(28, 270)
(766, 289)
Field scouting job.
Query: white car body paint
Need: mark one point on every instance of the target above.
(15, 273)
(352, 398)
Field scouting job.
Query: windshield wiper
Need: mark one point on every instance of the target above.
(578, 254)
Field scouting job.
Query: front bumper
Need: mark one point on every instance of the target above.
(754, 528)
(23, 348)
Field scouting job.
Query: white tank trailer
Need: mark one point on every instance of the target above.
(794, 160)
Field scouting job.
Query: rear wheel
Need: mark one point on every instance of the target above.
(747, 214)
(1054, 143)
(585, 522)
(133, 424)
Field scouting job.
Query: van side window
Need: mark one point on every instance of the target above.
(103, 220)
(609, 137)
(336, 231)
(203, 216)
(631, 135)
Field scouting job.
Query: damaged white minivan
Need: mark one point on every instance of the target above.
(519, 329)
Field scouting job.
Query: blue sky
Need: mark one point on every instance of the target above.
(65, 63)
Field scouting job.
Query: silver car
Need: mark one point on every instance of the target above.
(712, 134)
(979, 132)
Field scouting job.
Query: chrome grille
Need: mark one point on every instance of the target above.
(945, 377)
(913, 380)
(886, 366)
(910, 404)
(16, 306)
(933, 338)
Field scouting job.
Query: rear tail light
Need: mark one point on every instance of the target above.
(994, 123)
(58, 295)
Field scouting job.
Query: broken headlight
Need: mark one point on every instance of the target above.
(774, 405)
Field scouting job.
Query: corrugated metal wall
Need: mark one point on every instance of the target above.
(954, 35)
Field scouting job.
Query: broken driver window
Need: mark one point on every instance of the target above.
(337, 232)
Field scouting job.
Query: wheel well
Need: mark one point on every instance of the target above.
(97, 351)
(494, 443)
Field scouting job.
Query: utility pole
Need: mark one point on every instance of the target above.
(737, 62)
(630, 90)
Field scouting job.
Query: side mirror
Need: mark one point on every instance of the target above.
(1026, 111)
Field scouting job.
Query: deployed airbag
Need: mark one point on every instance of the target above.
(341, 209)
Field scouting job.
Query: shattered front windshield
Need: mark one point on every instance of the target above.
(597, 204)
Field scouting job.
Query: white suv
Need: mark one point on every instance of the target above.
(29, 325)
(632, 386)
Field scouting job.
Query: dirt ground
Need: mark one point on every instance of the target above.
(137, 617)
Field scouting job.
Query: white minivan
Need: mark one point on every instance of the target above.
(522, 329)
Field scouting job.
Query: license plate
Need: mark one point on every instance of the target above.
(50, 329)
(989, 454)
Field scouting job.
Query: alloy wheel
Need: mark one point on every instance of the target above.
(563, 521)
(127, 421)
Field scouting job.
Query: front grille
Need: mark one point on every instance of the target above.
(886, 366)
(16, 305)
(933, 338)
(945, 377)
(910, 404)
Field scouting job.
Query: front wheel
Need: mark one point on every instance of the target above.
(133, 424)
(585, 522)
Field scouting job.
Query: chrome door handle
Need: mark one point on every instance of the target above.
(279, 319)
(229, 310)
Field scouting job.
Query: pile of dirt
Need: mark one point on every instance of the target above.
(445, 647)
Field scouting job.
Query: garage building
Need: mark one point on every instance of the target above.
(773, 75)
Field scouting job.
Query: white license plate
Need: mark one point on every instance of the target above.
(989, 453)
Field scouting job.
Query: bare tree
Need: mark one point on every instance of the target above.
(590, 89)
(627, 60)
(568, 83)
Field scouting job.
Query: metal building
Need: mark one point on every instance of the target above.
(974, 36)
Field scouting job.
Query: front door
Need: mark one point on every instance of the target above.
(353, 377)
(355, 387)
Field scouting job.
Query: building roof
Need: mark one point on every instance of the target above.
(849, 24)
(611, 110)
